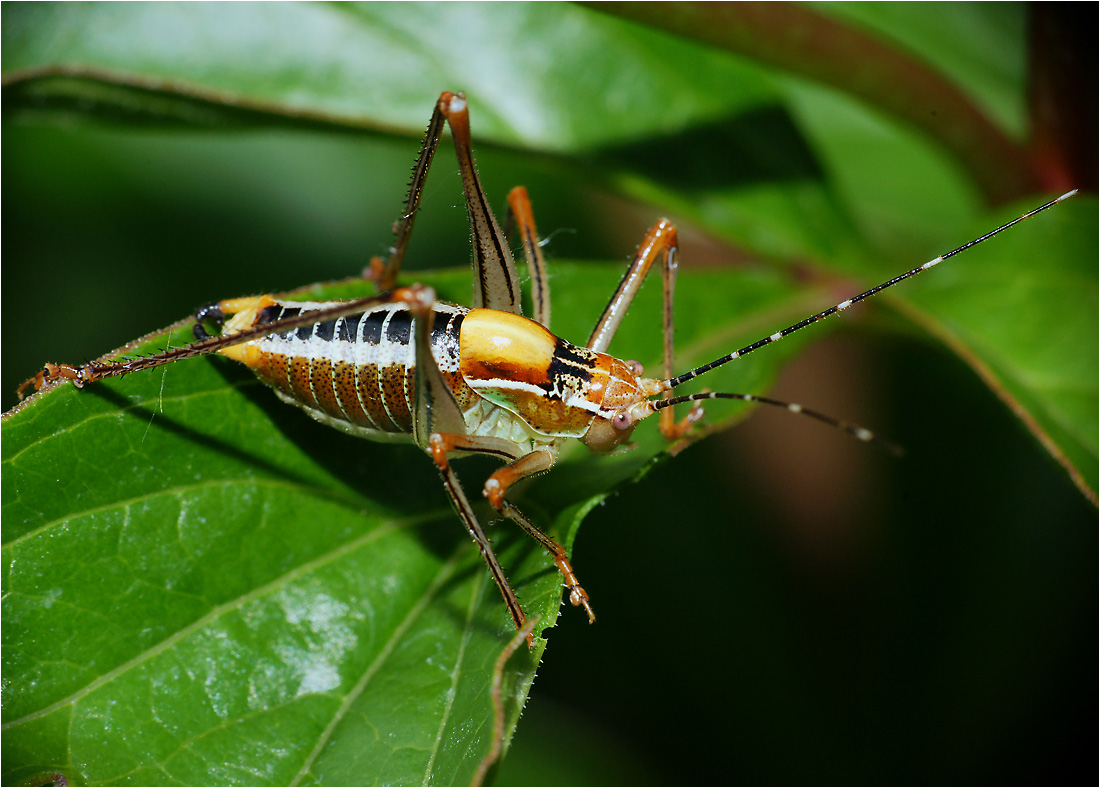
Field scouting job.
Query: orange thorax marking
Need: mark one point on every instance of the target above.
(554, 386)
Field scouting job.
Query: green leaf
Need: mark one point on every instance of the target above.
(205, 587)
(372, 66)
(1007, 311)
(183, 538)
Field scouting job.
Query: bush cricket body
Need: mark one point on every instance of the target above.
(473, 380)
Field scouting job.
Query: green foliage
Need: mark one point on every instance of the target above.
(204, 587)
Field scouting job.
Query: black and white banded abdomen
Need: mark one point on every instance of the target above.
(358, 372)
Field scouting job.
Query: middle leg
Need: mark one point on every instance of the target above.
(660, 243)
(496, 488)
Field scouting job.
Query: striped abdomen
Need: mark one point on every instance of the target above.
(357, 372)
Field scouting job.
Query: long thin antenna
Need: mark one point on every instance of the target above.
(856, 431)
(680, 379)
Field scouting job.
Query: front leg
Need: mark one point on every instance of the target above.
(497, 486)
(495, 489)
(660, 243)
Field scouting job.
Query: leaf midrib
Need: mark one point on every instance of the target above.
(181, 490)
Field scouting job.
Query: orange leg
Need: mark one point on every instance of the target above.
(496, 487)
(660, 243)
(495, 490)
(438, 427)
(520, 213)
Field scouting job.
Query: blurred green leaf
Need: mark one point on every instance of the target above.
(899, 62)
(371, 66)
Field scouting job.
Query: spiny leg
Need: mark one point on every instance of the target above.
(660, 243)
(98, 370)
(495, 276)
(520, 213)
(438, 451)
(435, 408)
(496, 281)
(578, 597)
(384, 272)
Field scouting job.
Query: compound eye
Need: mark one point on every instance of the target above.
(635, 368)
(211, 314)
(622, 420)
